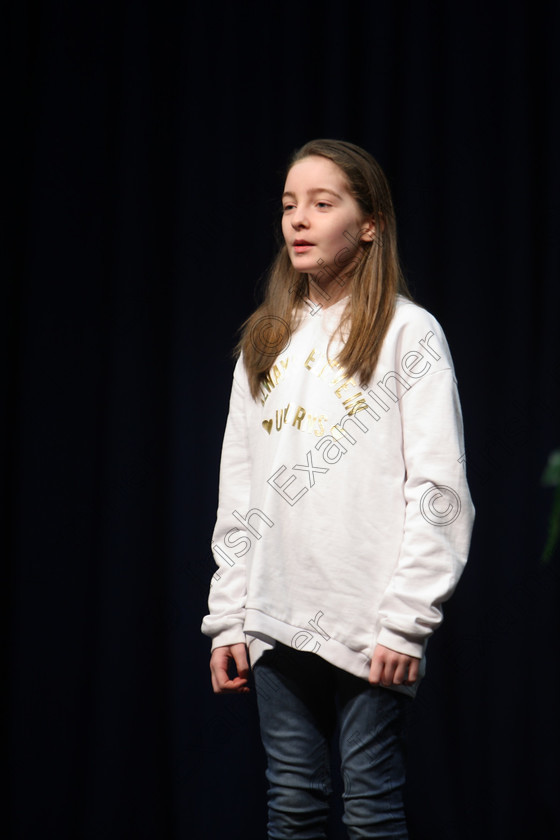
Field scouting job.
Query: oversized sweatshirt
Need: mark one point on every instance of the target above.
(344, 515)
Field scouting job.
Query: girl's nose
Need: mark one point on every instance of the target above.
(299, 218)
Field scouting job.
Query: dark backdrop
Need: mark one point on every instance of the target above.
(142, 184)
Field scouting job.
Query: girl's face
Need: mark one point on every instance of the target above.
(322, 222)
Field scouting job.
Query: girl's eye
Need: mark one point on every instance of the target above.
(287, 207)
(323, 204)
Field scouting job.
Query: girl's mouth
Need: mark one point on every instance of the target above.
(301, 246)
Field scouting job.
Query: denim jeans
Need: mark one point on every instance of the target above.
(300, 698)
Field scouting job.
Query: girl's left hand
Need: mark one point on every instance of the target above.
(220, 662)
(389, 667)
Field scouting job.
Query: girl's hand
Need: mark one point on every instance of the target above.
(220, 663)
(389, 667)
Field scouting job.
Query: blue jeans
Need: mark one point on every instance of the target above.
(300, 697)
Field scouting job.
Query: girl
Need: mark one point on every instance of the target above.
(344, 516)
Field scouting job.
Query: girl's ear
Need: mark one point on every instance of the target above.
(369, 229)
(367, 233)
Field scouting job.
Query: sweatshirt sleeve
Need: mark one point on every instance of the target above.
(439, 513)
(230, 544)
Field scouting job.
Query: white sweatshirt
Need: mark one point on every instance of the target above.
(344, 516)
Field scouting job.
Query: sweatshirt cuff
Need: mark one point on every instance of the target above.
(233, 636)
(396, 641)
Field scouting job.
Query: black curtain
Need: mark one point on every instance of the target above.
(146, 146)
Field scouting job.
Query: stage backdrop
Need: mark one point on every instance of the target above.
(147, 143)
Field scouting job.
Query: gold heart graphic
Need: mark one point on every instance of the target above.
(267, 424)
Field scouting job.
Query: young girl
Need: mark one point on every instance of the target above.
(344, 516)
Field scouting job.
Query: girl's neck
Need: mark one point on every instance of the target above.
(327, 293)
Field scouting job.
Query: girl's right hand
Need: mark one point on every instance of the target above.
(220, 662)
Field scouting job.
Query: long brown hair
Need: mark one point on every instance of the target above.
(377, 277)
